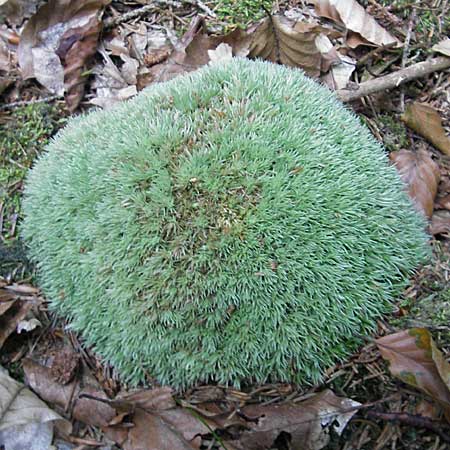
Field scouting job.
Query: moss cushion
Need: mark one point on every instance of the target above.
(234, 224)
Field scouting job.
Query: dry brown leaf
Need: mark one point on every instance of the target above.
(57, 43)
(13, 310)
(364, 29)
(275, 39)
(415, 359)
(295, 44)
(67, 397)
(443, 202)
(421, 176)
(308, 423)
(426, 121)
(442, 47)
(440, 223)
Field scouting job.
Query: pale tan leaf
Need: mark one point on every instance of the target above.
(355, 18)
(223, 52)
(427, 122)
(442, 47)
(19, 406)
(421, 176)
(415, 359)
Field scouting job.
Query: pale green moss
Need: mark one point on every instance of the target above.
(234, 224)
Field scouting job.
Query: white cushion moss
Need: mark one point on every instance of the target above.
(234, 224)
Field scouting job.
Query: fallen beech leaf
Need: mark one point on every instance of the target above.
(110, 84)
(12, 311)
(223, 52)
(442, 47)
(443, 202)
(425, 120)
(24, 418)
(296, 44)
(440, 223)
(158, 424)
(308, 423)
(57, 43)
(342, 72)
(275, 39)
(415, 359)
(67, 397)
(365, 29)
(420, 174)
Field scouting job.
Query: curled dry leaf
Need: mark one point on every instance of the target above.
(275, 39)
(442, 47)
(440, 223)
(363, 28)
(57, 43)
(67, 397)
(421, 176)
(308, 423)
(24, 418)
(415, 359)
(13, 310)
(426, 121)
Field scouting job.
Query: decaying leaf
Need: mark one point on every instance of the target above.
(426, 121)
(152, 420)
(415, 359)
(57, 43)
(342, 72)
(276, 39)
(442, 47)
(13, 310)
(443, 202)
(111, 82)
(24, 418)
(363, 28)
(440, 223)
(16, 11)
(67, 397)
(421, 176)
(295, 44)
(308, 423)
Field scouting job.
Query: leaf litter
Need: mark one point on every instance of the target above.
(139, 55)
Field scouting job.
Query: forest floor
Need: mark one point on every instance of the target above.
(134, 44)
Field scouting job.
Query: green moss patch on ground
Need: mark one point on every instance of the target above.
(23, 135)
(237, 13)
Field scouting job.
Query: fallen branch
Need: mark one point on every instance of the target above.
(395, 79)
(415, 421)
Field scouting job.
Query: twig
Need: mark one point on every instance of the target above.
(113, 21)
(413, 421)
(139, 12)
(50, 98)
(393, 80)
(202, 6)
(405, 55)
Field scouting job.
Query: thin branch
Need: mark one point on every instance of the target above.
(394, 79)
(30, 102)
(415, 421)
